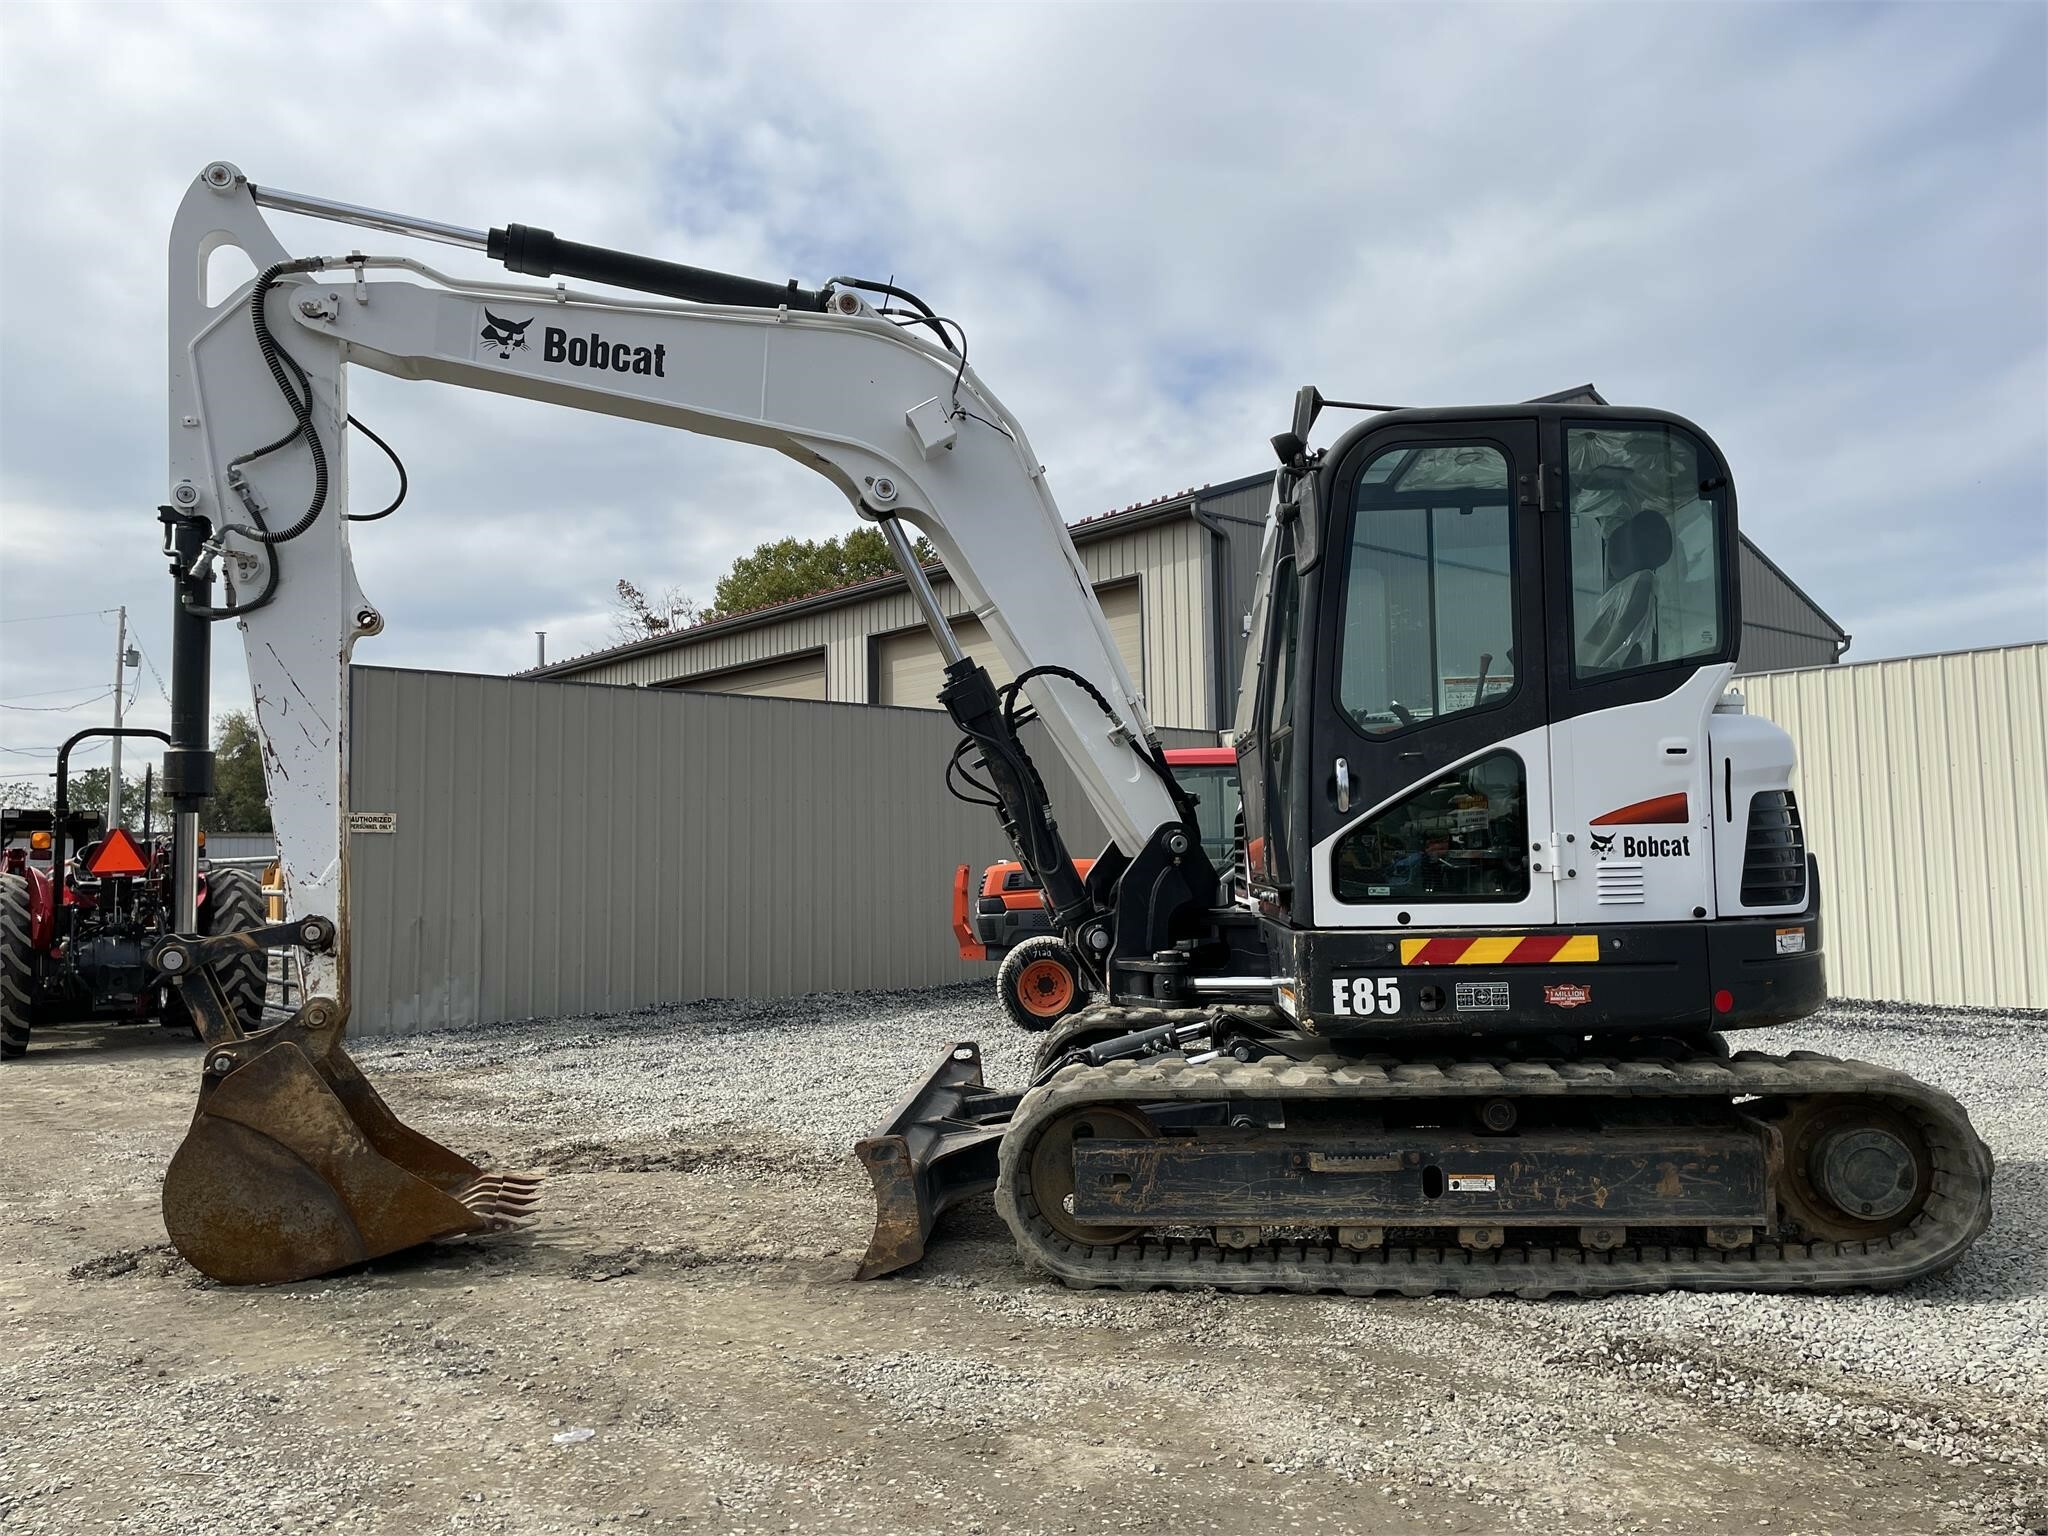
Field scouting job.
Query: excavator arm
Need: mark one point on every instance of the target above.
(900, 425)
(877, 400)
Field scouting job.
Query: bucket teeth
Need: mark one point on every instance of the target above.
(501, 1199)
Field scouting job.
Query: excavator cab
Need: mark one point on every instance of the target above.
(1486, 718)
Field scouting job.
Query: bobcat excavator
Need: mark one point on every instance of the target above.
(1514, 863)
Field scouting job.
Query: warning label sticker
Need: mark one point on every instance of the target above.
(1791, 941)
(373, 821)
(1481, 997)
(1469, 1183)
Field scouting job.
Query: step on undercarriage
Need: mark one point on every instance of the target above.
(1474, 1177)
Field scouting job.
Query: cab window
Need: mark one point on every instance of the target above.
(1429, 616)
(1462, 837)
(1646, 549)
(1215, 792)
(1286, 639)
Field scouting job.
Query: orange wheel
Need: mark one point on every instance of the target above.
(1045, 987)
(1040, 982)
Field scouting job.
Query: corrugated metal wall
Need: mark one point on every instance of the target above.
(563, 848)
(1781, 627)
(1239, 514)
(1169, 560)
(1923, 784)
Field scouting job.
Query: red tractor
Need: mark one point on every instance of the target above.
(1004, 918)
(80, 911)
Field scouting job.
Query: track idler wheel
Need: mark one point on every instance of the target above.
(1854, 1169)
(1052, 1168)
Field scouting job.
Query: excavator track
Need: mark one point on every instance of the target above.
(1954, 1202)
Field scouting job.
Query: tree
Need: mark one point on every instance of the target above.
(32, 794)
(635, 616)
(238, 803)
(787, 569)
(87, 792)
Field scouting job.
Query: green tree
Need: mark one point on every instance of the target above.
(32, 794)
(787, 569)
(87, 791)
(238, 803)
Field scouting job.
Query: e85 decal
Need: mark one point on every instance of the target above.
(1357, 996)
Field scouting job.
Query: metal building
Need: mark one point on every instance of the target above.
(1923, 786)
(1174, 576)
(558, 849)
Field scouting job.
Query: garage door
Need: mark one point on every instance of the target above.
(795, 677)
(908, 669)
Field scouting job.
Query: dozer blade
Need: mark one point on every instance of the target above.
(937, 1150)
(294, 1167)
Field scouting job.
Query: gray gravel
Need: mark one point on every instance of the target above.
(685, 1297)
(1954, 1368)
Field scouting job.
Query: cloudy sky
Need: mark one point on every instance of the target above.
(1820, 231)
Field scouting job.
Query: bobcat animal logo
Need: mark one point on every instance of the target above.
(506, 335)
(1602, 843)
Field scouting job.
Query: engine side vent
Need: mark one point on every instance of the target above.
(1774, 860)
(1620, 885)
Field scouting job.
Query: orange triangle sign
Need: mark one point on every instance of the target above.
(117, 855)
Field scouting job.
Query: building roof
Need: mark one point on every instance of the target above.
(1103, 525)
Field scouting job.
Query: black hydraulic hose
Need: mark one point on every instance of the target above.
(235, 610)
(1155, 758)
(958, 774)
(930, 318)
(301, 406)
(396, 463)
(300, 401)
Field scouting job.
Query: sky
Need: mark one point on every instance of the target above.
(1819, 231)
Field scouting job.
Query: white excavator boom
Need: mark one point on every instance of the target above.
(899, 424)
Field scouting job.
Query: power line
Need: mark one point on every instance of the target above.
(44, 693)
(76, 613)
(58, 709)
(92, 746)
(160, 688)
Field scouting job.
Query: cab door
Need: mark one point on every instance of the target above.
(1429, 788)
(1645, 618)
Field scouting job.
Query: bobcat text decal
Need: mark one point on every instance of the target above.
(593, 351)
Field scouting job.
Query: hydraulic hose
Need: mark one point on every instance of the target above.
(275, 359)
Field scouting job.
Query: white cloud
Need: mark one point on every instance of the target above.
(1818, 231)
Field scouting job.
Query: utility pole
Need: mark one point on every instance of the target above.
(123, 660)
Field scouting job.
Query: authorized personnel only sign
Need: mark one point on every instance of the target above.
(373, 821)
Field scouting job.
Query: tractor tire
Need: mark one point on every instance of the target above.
(234, 901)
(17, 968)
(1040, 982)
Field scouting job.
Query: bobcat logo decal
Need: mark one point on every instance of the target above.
(506, 335)
(1601, 843)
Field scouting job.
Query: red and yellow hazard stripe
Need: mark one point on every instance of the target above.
(1504, 949)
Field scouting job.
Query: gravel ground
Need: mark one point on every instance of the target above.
(685, 1297)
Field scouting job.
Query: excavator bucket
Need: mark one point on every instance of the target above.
(936, 1150)
(294, 1167)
